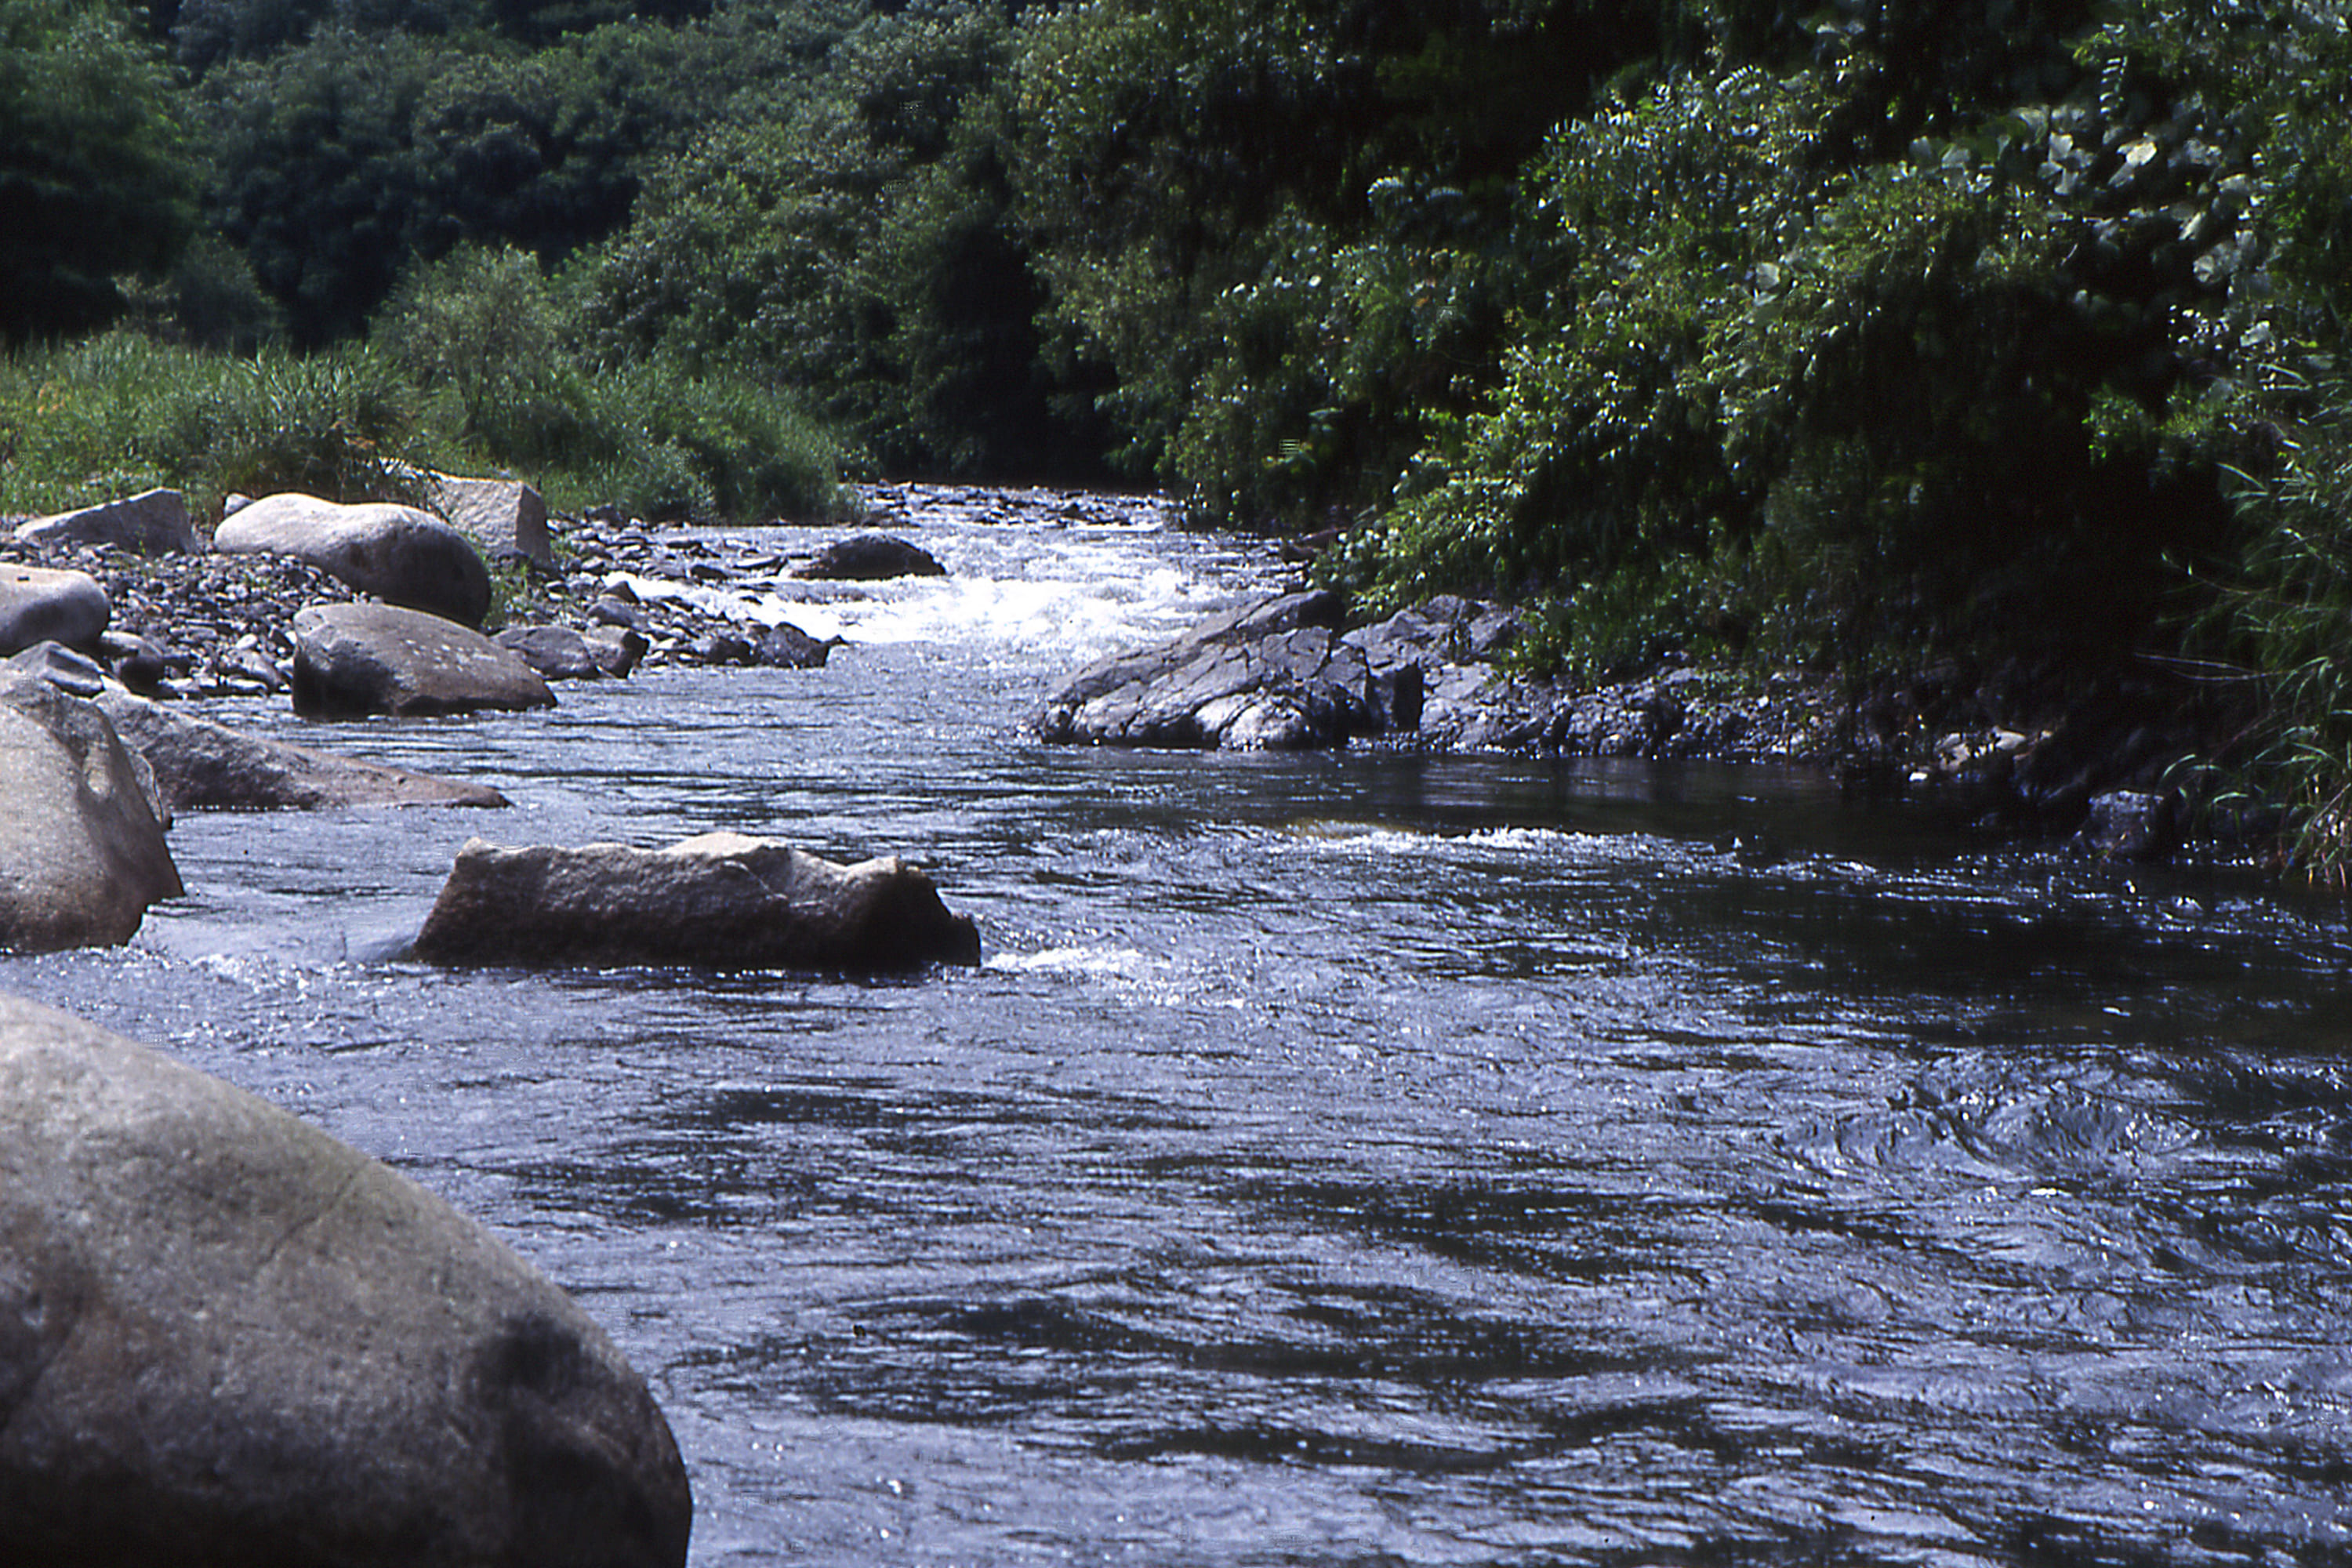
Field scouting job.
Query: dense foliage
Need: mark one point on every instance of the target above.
(1998, 337)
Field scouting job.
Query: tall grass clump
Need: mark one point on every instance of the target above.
(2280, 621)
(121, 413)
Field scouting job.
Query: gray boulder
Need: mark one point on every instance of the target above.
(153, 523)
(1273, 675)
(39, 605)
(397, 554)
(228, 1339)
(502, 517)
(719, 901)
(869, 557)
(81, 840)
(559, 653)
(199, 765)
(350, 660)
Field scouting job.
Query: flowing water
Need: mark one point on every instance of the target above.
(1338, 1159)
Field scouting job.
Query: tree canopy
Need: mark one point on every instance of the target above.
(96, 178)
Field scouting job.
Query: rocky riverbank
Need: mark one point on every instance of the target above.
(1438, 678)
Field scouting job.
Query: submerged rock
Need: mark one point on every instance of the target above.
(398, 554)
(350, 660)
(719, 901)
(81, 835)
(226, 1338)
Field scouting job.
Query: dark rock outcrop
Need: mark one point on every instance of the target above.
(719, 901)
(398, 554)
(866, 557)
(350, 660)
(82, 832)
(227, 1339)
(1270, 675)
(153, 523)
(40, 604)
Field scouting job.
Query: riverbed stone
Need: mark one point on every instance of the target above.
(82, 853)
(866, 557)
(42, 604)
(350, 660)
(154, 522)
(228, 1338)
(557, 653)
(785, 647)
(201, 766)
(722, 901)
(401, 554)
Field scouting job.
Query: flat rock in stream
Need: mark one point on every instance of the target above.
(200, 765)
(559, 653)
(719, 901)
(228, 1340)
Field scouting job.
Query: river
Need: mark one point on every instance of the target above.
(1337, 1159)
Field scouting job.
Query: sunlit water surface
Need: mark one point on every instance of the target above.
(1338, 1159)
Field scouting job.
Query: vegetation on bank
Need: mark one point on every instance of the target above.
(1999, 340)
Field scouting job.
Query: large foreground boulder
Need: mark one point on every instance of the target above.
(200, 765)
(719, 901)
(156, 522)
(81, 839)
(227, 1341)
(1272, 675)
(352, 660)
(397, 554)
(39, 605)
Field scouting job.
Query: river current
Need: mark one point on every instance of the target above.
(1337, 1159)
